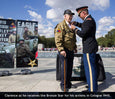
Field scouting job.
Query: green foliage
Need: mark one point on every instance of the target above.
(108, 40)
(48, 42)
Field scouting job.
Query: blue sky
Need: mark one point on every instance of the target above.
(50, 12)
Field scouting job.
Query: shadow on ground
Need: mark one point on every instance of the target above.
(44, 71)
(109, 81)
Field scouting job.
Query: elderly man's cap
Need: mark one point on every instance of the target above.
(80, 9)
(68, 12)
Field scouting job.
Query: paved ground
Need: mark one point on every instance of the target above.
(43, 79)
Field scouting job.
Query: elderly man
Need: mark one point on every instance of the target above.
(65, 40)
(90, 46)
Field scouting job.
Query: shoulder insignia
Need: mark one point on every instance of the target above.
(58, 31)
(88, 19)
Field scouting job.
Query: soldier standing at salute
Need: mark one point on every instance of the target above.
(65, 40)
(90, 46)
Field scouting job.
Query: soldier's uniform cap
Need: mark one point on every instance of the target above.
(21, 40)
(25, 27)
(80, 9)
(68, 12)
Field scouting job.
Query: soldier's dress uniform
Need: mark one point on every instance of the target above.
(27, 34)
(90, 47)
(65, 40)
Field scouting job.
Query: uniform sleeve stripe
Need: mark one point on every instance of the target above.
(90, 72)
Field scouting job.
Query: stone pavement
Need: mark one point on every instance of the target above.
(43, 78)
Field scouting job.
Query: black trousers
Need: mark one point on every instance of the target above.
(69, 65)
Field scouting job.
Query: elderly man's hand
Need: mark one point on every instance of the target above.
(74, 23)
(63, 53)
(73, 27)
(75, 51)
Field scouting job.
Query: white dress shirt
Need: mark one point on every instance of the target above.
(68, 24)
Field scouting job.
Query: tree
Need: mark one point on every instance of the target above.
(48, 42)
(113, 36)
(102, 41)
(108, 40)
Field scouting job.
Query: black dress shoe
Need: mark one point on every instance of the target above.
(85, 91)
(72, 86)
(86, 86)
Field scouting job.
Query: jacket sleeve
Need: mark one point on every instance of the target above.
(86, 27)
(78, 24)
(59, 38)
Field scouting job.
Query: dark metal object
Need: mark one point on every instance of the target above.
(4, 73)
(26, 71)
